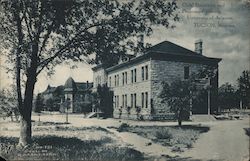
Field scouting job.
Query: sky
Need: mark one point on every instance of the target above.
(221, 24)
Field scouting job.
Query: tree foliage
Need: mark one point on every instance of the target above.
(178, 95)
(182, 95)
(227, 96)
(39, 103)
(8, 106)
(104, 100)
(244, 88)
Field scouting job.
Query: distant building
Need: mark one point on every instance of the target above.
(76, 96)
(136, 80)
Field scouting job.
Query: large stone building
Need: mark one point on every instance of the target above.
(72, 96)
(137, 81)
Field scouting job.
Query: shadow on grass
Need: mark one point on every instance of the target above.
(247, 131)
(61, 148)
(47, 123)
(199, 128)
(178, 158)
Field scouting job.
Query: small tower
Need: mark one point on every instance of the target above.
(69, 93)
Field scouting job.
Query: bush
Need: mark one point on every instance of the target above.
(163, 134)
(123, 127)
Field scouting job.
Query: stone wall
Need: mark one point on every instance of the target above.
(166, 71)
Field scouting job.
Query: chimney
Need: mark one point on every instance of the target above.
(198, 46)
(140, 43)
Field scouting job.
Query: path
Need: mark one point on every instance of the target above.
(225, 141)
(141, 144)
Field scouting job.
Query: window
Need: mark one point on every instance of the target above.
(126, 100)
(132, 76)
(186, 72)
(117, 80)
(146, 98)
(142, 73)
(123, 81)
(132, 100)
(123, 101)
(126, 78)
(109, 81)
(142, 100)
(115, 102)
(118, 101)
(135, 75)
(146, 72)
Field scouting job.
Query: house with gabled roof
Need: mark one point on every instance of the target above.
(73, 97)
(136, 81)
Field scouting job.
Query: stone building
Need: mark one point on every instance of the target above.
(137, 81)
(76, 96)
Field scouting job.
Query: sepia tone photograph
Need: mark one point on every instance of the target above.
(125, 80)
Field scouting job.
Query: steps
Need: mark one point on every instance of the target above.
(91, 114)
(203, 118)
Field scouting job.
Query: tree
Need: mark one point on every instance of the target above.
(39, 34)
(8, 106)
(182, 95)
(39, 103)
(227, 96)
(244, 88)
(178, 95)
(105, 100)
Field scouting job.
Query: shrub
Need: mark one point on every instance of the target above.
(163, 134)
(123, 127)
(247, 131)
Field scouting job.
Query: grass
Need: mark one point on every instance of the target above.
(178, 138)
(61, 148)
(65, 142)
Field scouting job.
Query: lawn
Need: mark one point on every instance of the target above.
(54, 141)
(178, 138)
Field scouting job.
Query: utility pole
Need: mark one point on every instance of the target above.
(67, 119)
(191, 106)
(67, 103)
(209, 96)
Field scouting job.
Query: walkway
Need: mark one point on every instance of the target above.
(225, 141)
(142, 144)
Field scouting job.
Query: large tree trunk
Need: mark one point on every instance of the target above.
(25, 131)
(25, 123)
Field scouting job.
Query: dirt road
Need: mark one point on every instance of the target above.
(225, 141)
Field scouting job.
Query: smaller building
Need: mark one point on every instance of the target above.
(73, 97)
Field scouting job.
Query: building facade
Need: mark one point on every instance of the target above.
(72, 97)
(137, 81)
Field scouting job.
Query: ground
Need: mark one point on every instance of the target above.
(226, 140)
